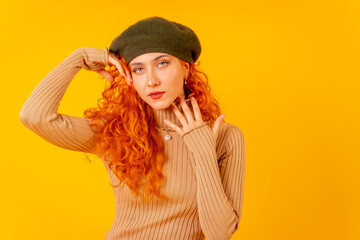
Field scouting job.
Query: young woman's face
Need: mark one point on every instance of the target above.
(158, 72)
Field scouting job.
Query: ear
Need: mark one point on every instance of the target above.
(186, 67)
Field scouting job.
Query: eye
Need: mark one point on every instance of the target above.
(163, 63)
(135, 69)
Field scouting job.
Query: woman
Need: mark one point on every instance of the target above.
(157, 130)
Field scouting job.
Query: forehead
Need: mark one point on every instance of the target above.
(149, 57)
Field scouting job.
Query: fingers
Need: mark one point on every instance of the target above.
(188, 123)
(122, 70)
(106, 74)
(179, 116)
(173, 126)
(128, 76)
(115, 62)
(187, 112)
(196, 109)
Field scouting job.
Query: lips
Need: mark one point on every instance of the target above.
(156, 95)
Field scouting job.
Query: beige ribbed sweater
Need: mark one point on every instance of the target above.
(204, 176)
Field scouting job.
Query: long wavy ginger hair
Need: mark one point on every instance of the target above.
(126, 137)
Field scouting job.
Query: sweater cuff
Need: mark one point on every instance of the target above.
(200, 139)
(94, 58)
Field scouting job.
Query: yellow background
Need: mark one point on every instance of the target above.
(285, 72)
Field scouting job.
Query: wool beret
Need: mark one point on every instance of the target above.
(156, 34)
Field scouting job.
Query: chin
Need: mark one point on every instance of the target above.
(159, 105)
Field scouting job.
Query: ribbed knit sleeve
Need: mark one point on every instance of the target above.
(39, 113)
(219, 193)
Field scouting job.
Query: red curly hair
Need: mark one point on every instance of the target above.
(125, 139)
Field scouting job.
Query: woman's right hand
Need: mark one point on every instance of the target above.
(113, 60)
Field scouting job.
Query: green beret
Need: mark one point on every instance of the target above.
(157, 34)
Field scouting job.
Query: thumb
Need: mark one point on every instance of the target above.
(105, 74)
(216, 126)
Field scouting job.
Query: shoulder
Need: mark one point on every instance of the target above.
(229, 142)
(229, 139)
(231, 136)
(230, 128)
(228, 131)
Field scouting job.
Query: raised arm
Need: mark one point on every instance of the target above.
(220, 189)
(39, 113)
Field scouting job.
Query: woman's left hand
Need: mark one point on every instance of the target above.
(189, 122)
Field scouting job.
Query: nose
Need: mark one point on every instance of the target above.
(152, 80)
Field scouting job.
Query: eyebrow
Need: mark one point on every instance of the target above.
(138, 63)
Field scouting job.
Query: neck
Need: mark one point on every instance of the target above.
(169, 114)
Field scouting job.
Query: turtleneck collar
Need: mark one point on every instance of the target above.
(169, 114)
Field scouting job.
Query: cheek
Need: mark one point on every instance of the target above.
(174, 78)
(138, 87)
